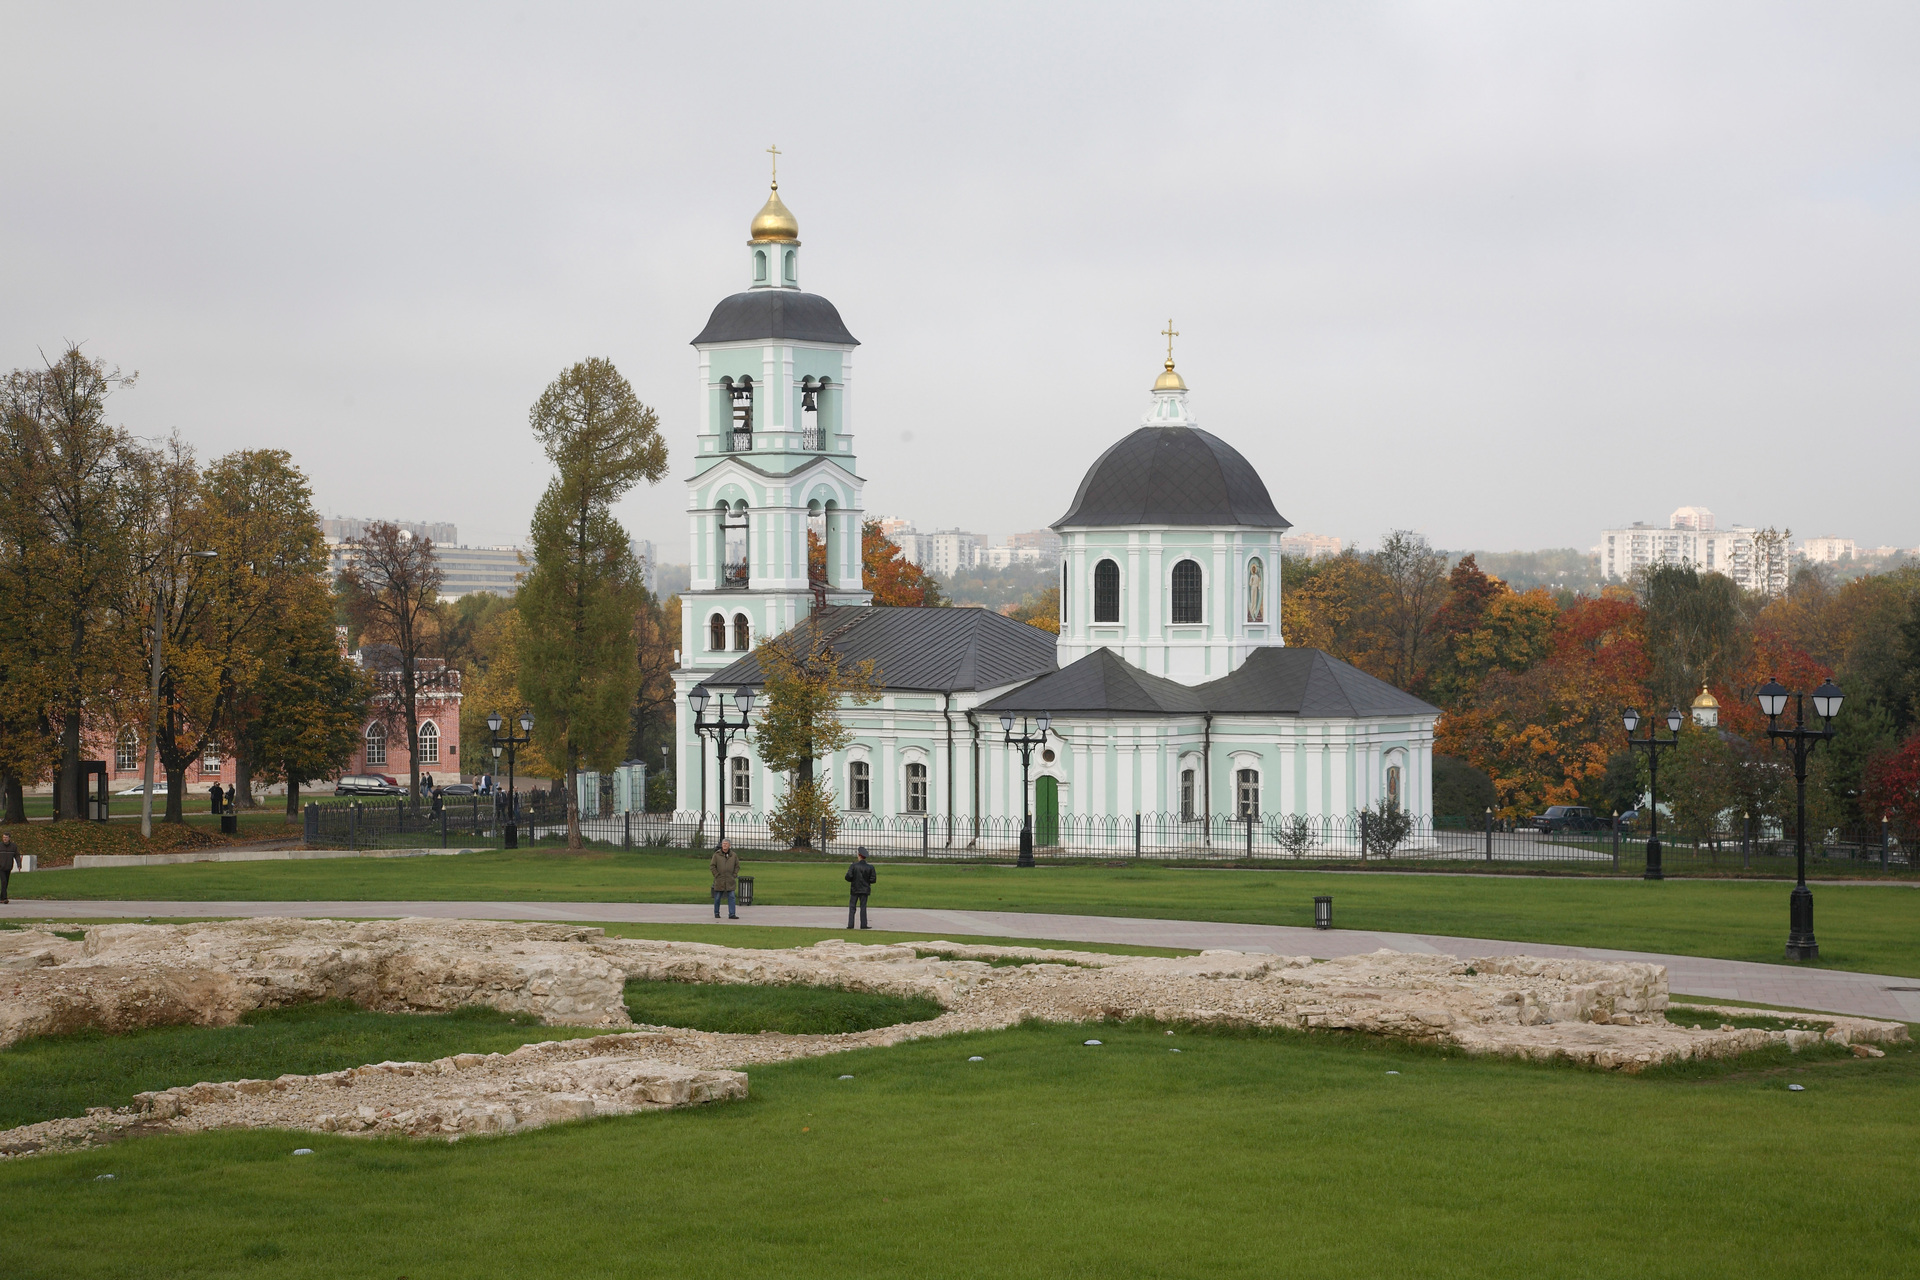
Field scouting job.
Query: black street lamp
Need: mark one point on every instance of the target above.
(1652, 746)
(723, 731)
(1826, 704)
(508, 743)
(1026, 741)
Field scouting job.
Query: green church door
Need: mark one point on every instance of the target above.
(1046, 811)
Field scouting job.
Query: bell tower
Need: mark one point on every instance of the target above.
(774, 464)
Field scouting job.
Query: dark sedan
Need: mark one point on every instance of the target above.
(1568, 817)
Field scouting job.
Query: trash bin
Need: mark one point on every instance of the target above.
(1323, 912)
(746, 891)
(229, 824)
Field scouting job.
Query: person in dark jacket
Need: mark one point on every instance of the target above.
(860, 876)
(725, 865)
(9, 858)
(216, 798)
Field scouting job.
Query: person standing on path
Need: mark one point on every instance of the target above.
(9, 858)
(861, 876)
(726, 877)
(215, 796)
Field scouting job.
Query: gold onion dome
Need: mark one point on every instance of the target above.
(1169, 380)
(775, 221)
(1705, 700)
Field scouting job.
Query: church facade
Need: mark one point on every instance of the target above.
(1169, 690)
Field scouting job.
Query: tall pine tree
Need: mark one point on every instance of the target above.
(580, 599)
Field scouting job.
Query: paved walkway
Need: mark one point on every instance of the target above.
(1869, 995)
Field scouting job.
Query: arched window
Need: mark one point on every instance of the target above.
(429, 751)
(789, 271)
(861, 793)
(740, 785)
(376, 743)
(1106, 592)
(717, 632)
(1186, 591)
(1189, 803)
(916, 788)
(1256, 590)
(126, 752)
(742, 633)
(1393, 786)
(1064, 578)
(760, 265)
(1248, 798)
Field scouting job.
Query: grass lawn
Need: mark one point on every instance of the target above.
(1239, 1156)
(749, 1010)
(64, 1075)
(1868, 928)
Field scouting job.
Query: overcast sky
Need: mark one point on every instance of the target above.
(1505, 274)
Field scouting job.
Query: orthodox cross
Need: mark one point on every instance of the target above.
(775, 153)
(1171, 333)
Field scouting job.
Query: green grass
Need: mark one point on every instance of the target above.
(52, 1076)
(748, 1010)
(1240, 1156)
(1867, 928)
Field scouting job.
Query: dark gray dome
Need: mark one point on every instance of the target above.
(775, 313)
(1172, 475)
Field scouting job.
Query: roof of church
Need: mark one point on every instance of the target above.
(942, 650)
(1102, 683)
(775, 313)
(1272, 681)
(1307, 682)
(1172, 475)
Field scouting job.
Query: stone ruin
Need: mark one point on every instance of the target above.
(1610, 1016)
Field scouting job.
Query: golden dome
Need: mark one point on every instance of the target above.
(1169, 381)
(775, 221)
(1705, 699)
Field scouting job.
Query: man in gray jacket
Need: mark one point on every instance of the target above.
(860, 876)
(9, 858)
(726, 878)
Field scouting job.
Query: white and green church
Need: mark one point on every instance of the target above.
(1169, 690)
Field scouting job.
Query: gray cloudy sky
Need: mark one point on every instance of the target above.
(1503, 273)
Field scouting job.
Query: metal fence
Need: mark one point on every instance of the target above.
(1357, 839)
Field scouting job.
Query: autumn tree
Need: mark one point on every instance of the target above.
(656, 633)
(31, 640)
(580, 599)
(490, 683)
(1038, 609)
(1695, 628)
(311, 704)
(391, 590)
(76, 460)
(1412, 582)
(267, 585)
(889, 575)
(168, 542)
(806, 683)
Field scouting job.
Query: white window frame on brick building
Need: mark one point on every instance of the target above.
(429, 746)
(126, 751)
(210, 759)
(376, 741)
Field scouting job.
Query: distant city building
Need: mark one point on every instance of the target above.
(463, 569)
(1756, 559)
(1825, 550)
(343, 528)
(892, 525)
(1311, 546)
(1045, 542)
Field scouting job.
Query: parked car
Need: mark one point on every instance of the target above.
(1569, 817)
(457, 789)
(365, 784)
(159, 789)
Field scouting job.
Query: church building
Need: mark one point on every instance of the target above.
(1169, 690)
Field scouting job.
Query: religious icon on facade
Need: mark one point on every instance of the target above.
(1256, 591)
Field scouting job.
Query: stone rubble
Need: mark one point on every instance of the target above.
(1606, 1015)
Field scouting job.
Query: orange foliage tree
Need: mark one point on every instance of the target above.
(893, 578)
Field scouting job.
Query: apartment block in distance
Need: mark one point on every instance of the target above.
(1692, 536)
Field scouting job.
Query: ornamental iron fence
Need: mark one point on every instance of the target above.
(1370, 839)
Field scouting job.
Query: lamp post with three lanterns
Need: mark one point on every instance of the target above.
(1653, 746)
(1772, 697)
(723, 730)
(1026, 741)
(508, 743)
